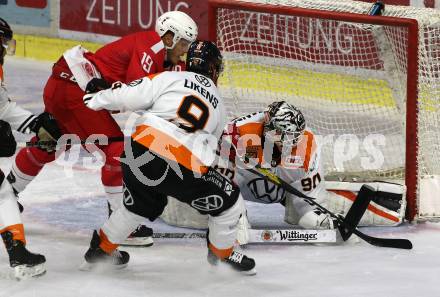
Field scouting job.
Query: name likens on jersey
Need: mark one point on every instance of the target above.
(202, 91)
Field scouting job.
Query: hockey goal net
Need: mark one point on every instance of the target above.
(368, 85)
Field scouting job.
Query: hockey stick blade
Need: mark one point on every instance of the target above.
(396, 243)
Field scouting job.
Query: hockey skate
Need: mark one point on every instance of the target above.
(96, 258)
(24, 263)
(237, 261)
(142, 236)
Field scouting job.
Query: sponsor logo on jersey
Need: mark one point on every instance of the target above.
(203, 80)
(210, 203)
(67, 76)
(266, 191)
(295, 235)
(89, 69)
(128, 199)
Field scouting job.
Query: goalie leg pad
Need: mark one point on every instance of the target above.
(387, 207)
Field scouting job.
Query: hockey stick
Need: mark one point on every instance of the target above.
(346, 227)
(292, 236)
(42, 143)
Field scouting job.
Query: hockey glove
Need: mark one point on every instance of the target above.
(8, 144)
(97, 84)
(46, 128)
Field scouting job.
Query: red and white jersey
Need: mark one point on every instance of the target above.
(130, 57)
(10, 112)
(300, 165)
(183, 115)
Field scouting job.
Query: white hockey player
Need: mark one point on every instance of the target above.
(171, 153)
(25, 263)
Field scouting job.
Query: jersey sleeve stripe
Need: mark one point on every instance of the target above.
(157, 47)
(168, 147)
(310, 148)
(25, 124)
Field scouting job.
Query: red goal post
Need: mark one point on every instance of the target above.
(228, 33)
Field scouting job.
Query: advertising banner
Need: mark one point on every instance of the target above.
(34, 13)
(121, 17)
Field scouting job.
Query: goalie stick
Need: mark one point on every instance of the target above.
(284, 236)
(348, 225)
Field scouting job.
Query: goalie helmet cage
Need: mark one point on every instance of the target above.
(368, 85)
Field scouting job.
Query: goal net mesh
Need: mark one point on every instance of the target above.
(349, 79)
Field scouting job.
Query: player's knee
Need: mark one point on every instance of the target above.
(144, 204)
(111, 172)
(113, 152)
(232, 213)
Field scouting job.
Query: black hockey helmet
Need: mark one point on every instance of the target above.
(7, 43)
(204, 57)
(5, 30)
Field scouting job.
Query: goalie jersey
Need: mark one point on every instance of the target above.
(182, 117)
(300, 165)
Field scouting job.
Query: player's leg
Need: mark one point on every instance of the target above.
(24, 263)
(217, 197)
(30, 160)
(140, 202)
(211, 194)
(85, 122)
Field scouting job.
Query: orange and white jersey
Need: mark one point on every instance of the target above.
(10, 112)
(182, 115)
(299, 165)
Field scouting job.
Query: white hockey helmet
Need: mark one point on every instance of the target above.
(181, 24)
(284, 121)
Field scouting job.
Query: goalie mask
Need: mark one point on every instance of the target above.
(284, 123)
(6, 40)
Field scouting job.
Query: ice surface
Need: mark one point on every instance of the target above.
(64, 204)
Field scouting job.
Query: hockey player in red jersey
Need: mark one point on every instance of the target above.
(78, 70)
(25, 263)
(170, 154)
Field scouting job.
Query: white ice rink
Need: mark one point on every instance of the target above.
(62, 207)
